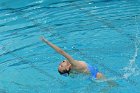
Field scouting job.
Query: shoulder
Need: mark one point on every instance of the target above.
(81, 64)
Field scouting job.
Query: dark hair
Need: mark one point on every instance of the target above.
(64, 71)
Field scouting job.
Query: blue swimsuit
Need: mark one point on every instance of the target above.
(93, 70)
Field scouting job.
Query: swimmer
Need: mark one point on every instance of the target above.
(71, 65)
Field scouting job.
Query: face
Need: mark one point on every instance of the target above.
(64, 66)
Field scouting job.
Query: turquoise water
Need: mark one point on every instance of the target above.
(105, 33)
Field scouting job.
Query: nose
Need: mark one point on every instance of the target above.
(59, 66)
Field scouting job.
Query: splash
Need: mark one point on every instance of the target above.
(132, 68)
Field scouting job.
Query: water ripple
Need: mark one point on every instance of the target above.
(104, 29)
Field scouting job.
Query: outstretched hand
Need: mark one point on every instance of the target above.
(42, 38)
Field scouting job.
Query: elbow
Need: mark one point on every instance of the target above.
(61, 51)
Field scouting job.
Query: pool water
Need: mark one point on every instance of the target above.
(104, 33)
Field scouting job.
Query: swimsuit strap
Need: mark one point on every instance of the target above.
(92, 70)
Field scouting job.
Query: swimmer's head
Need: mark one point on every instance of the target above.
(64, 67)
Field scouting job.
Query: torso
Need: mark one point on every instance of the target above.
(80, 68)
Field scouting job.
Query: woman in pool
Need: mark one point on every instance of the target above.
(71, 65)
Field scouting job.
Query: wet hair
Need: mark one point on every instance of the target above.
(64, 72)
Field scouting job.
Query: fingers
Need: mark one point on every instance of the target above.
(42, 38)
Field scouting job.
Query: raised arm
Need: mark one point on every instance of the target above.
(60, 51)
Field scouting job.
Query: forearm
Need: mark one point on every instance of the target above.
(59, 50)
(53, 46)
